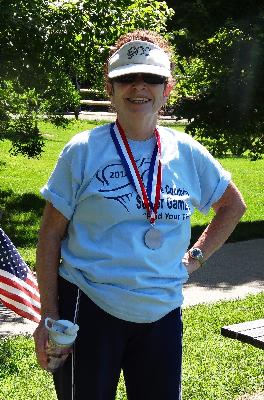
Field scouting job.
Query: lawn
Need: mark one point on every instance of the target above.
(21, 178)
(214, 367)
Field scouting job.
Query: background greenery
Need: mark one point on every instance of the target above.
(49, 48)
(21, 178)
(214, 367)
(220, 55)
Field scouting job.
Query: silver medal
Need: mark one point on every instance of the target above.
(153, 239)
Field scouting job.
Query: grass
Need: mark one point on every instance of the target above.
(22, 205)
(249, 178)
(20, 376)
(214, 367)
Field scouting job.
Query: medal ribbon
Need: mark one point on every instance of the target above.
(151, 196)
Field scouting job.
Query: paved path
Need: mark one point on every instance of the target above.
(235, 271)
(12, 324)
(111, 116)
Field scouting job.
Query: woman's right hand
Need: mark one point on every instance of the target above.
(41, 337)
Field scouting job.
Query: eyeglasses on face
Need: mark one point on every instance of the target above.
(147, 78)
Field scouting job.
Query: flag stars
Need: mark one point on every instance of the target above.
(11, 260)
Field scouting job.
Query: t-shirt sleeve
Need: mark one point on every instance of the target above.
(213, 179)
(62, 187)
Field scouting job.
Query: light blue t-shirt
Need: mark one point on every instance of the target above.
(104, 252)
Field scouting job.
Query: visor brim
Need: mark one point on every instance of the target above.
(139, 68)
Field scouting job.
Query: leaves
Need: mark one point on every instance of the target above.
(49, 48)
(221, 87)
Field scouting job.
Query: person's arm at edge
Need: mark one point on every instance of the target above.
(228, 211)
(52, 230)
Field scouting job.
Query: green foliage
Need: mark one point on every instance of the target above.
(21, 39)
(18, 118)
(61, 97)
(221, 86)
(47, 48)
(81, 33)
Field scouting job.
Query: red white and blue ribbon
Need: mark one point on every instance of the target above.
(151, 195)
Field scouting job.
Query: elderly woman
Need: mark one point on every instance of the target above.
(113, 247)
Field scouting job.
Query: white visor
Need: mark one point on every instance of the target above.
(139, 57)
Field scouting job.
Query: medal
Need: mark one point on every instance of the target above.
(153, 238)
(150, 196)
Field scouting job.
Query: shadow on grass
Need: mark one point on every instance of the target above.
(20, 217)
(2, 164)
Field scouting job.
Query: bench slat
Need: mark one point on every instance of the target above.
(247, 325)
(96, 102)
(251, 332)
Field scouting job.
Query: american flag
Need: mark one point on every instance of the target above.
(18, 286)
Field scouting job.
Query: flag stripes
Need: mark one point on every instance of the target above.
(18, 286)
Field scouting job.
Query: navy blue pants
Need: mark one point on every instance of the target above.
(150, 354)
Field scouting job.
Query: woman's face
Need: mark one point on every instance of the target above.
(137, 97)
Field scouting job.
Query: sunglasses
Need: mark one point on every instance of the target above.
(147, 78)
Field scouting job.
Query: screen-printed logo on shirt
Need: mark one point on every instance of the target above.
(115, 186)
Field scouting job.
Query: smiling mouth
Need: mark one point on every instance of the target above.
(138, 100)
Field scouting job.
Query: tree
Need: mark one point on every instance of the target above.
(48, 47)
(82, 32)
(221, 56)
(20, 43)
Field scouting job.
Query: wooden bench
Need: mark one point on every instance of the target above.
(251, 332)
(105, 103)
(87, 102)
